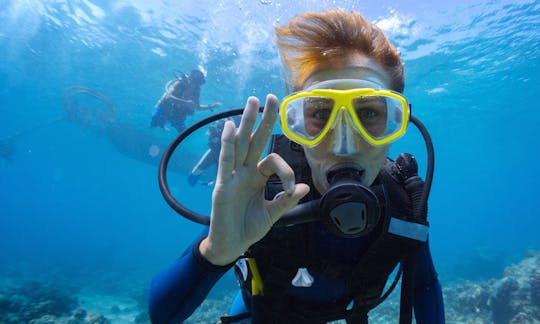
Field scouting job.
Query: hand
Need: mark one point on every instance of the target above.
(240, 215)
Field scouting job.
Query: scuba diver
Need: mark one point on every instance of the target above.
(84, 106)
(211, 156)
(181, 98)
(315, 228)
(91, 108)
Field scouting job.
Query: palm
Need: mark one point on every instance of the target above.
(240, 214)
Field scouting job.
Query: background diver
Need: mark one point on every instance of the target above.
(211, 156)
(180, 99)
(88, 108)
(345, 109)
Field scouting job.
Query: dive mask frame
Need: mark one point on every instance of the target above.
(343, 99)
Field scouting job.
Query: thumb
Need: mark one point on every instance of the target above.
(276, 208)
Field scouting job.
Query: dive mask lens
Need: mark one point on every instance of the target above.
(308, 117)
(379, 116)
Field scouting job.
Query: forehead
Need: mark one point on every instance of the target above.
(356, 66)
(345, 84)
(370, 76)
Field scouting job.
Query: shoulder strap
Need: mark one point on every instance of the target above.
(393, 246)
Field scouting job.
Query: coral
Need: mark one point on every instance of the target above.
(535, 288)
(513, 299)
(468, 300)
(45, 319)
(522, 318)
(517, 294)
(36, 302)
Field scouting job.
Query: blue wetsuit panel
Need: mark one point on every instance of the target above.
(178, 290)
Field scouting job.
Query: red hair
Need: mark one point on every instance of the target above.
(316, 39)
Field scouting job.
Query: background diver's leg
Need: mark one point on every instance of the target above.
(177, 121)
(159, 118)
(204, 162)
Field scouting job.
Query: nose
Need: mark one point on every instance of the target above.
(346, 137)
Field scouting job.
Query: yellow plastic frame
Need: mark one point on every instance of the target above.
(344, 98)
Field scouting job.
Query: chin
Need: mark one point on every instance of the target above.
(321, 162)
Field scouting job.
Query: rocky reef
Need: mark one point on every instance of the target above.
(514, 298)
(43, 303)
(32, 300)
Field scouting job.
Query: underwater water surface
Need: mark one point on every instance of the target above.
(80, 206)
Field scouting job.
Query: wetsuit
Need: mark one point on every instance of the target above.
(175, 111)
(178, 290)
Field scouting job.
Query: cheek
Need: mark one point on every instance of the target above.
(374, 162)
(318, 161)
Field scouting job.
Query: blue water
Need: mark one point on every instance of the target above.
(74, 204)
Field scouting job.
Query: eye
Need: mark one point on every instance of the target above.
(319, 109)
(370, 109)
(321, 114)
(368, 114)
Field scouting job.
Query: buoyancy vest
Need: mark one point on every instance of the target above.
(284, 250)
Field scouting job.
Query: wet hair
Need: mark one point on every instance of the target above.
(197, 76)
(315, 40)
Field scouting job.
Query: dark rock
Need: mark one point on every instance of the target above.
(75, 321)
(535, 288)
(5, 303)
(79, 314)
(501, 302)
(97, 319)
(142, 318)
(516, 296)
(34, 301)
(45, 319)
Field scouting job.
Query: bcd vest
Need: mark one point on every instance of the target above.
(284, 250)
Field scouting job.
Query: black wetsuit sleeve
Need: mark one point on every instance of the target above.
(428, 299)
(176, 291)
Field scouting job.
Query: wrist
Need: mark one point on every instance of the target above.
(210, 254)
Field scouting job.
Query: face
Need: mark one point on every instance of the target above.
(344, 144)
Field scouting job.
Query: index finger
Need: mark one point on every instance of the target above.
(243, 136)
(227, 153)
(263, 131)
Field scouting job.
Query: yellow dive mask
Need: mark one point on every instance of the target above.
(380, 116)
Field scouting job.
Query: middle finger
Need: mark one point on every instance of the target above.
(263, 131)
